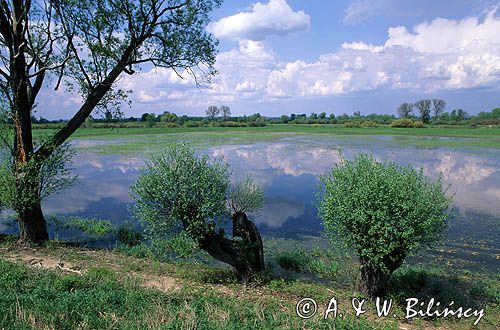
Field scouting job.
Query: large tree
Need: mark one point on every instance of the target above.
(424, 108)
(86, 45)
(225, 111)
(405, 110)
(438, 107)
(212, 112)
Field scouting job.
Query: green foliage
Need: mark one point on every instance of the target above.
(181, 246)
(403, 122)
(382, 209)
(360, 124)
(293, 260)
(89, 122)
(369, 123)
(91, 226)
(418, 124)
(352, 124)
(126, 235)
(323, 268)
(246, 196)
(177, 190)
(168, 117)
(35, 180)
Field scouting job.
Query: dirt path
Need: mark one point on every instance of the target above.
(38, 259)
(79, 261)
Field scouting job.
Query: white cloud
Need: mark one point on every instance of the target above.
(273, 18)
(409, 60)
(359, 45)
(440, 55)
(442, 36)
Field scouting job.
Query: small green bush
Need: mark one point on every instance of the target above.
(352, 124)
(418, 124)
(193, 123)
(369, 123)
(230, 124)
(384, 211)
(402, 123)
(294, 260)
(126, 235)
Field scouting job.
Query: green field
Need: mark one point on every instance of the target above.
(153, 138)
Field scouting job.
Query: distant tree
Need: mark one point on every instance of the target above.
(108, 116)
(89, 122)
(144, 116)
(225, 111)
(150, 119)
(322, 115)
(212, 112)
(424, 108)
(254, 117)
(180, 193)
(168, 117)
(292, 117)
(459, 115)
(313, 116)
(285, 119)
(332, 116)
(343, 118)
(384, 211)
(405, 110)
(357, 114)
(438, 107)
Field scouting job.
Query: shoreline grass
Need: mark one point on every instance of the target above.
(113, 289)
(130, 140)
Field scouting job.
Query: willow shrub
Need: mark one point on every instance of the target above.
(384, 211)
(182, 198)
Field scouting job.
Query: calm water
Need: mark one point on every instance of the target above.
(288, 170)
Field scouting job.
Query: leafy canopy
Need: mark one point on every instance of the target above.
(382, 209)
(30, 183)
(178, 190)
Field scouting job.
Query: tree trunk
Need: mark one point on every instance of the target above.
(32, 225)
(246, 229)
(246, 256)
(373, 281)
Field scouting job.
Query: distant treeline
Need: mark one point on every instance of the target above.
(427, 112)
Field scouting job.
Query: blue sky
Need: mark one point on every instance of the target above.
(302, 56)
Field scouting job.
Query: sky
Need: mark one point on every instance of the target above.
(301, 56)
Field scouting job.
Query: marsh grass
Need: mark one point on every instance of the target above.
(130, 140)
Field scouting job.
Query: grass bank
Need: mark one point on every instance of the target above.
(62, 287)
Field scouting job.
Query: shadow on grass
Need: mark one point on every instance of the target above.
(465, 289)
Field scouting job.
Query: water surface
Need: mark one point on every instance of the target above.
(288, 170)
